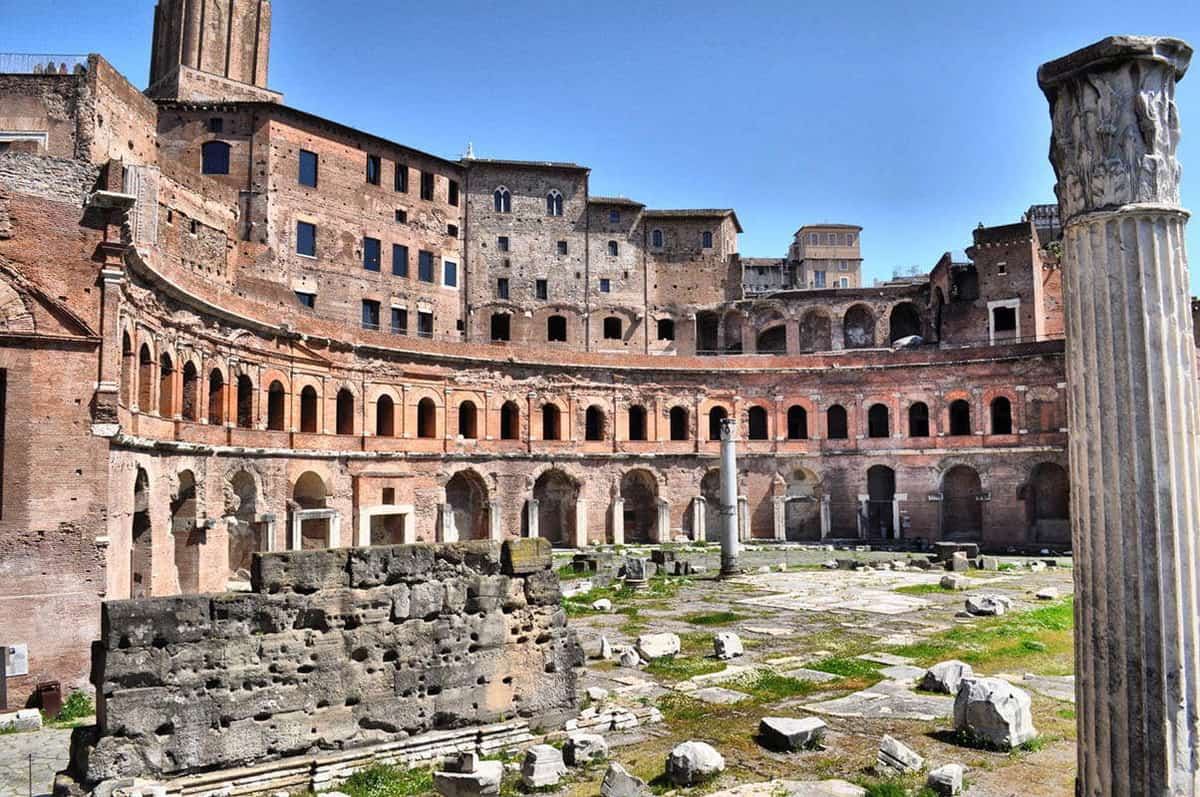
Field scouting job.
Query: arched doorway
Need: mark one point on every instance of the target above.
(639, 491)
(468, 499)
(510, 421)
(426, 418)
(308, 410)
(715, 416)
(166, 386)
(468, 425)
(772, 340)
(145, 379)
(594, 423)
(311, 493)
(245, 533)
(184, 534)
(276, 406)
(881, 493)
(905, 320)
(757, 423)
(858, 327)
(216, 398)
(679, 423)
(556, 494)
(385, 416)
(141, 542)
(245, 402)
(962, 512)
(345, 412)
(802, 512)
(1047, 497)
(191, 392)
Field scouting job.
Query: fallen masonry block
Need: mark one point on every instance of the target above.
(619, 783)
(946, 780)
(580, 748)
(691, 762)
(787, 733)
(543, 766)
(994, 712)
(895, 758)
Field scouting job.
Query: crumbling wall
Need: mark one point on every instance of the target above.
(332, 649)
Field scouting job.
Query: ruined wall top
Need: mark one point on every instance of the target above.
(1115, 125)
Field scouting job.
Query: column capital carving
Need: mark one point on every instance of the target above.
(1112, 108)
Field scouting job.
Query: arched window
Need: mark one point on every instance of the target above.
(127, 370)
(679, 423)
(345, 412)
(797, 422)
(145, 379)
(612, 328)
(216, 398)
(1001, 416)
(245, 402)
(715, 416)
(191, 392)
(960, 417)
(918, 420)
(166, 386)
(756, 423)
(637, 422)
(510, 421)
(501, 326)
(878, 423)
(385, 416)
(666, 329)
(613, 249)
(594, 423)
(551, 422)
(835, 419)
(656, 239)
(308, 410)
(276, 401)
(426, 418)
(502, 200)
(468, 427)
(214, 158)
(556, 328)
(554, 203)
(706, 239)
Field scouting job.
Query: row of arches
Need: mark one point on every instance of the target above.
(729, 332)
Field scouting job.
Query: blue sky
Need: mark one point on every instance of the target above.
(915, 120)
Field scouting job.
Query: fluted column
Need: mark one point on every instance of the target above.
(1133, 404)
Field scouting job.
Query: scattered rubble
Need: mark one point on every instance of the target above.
(945, 677)
(580, 748)
(691, 762)
(787, 733)
(988, 605)
(897, 759)
(727, 645)
(619, 783)
(543, 766)
(994, 712)
(655, 646)
(946, 780)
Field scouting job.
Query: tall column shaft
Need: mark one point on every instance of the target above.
(729, 498)
(1133, 412)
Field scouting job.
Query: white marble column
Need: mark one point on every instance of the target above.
(581, 523)
(532, 517)
(699, 518)
(780, 518)
(662, 528)
(1133, 404)
(618, 521)
(449, 529)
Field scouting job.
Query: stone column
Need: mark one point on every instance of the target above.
(1131, 375)
(743, 513)
(780, 518)
(581, 523)
(495, 530)
(729, 520)
(825, 521)
(699, 513)
(531, 517)
(449, 529)
(618, 521)
(662, 528)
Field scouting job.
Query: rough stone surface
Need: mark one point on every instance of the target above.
(896, 758)
(619, 783)
(542, 766)
(946, 780)
(994, 712)
(950, 581)
(691, 762)
(483, 781)
(788, 733)
(655, 646)
(1047, 594)
(946, 676)
(581, 748)
(727, 645)
(988, 605)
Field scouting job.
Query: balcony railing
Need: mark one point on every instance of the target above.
(42, 64)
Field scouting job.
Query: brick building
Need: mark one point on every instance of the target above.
(229, 325)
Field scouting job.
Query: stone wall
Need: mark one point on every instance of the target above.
(330, 650)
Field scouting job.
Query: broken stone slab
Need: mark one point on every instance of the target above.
(946, 780)
(954, 582)
(814, 676)
(602, 605)
(889, 659)
(768, 630)
(1059, 687)
(946, 676)
(484, 781)
(794, 788)
(1047, 594)
(580, 748)
(629, 657)
(718, 695)
(596, 693)
(727, 645)
(638, 569)
(989, 563)
(994, 712)
(691, 762)
(958, 563)
(903, 672)
(988, 605)
(895, 758)
(789, 733)
(543, 766)
(655, 646)
(606, 650)
(1037, 566)
(619, 783)
(25, 719)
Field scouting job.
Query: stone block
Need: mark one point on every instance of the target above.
(896, 758)
(988, 605)
(542, 766)
(945, 677)
(638, 569)
(692, 762)
(154, 621)
(1047, 594)
(477, 556)
(994, 712)
(248, 613)
(951, 581)
(25, 719)
(946, 780)
(484, 781)
(378, 565)
(487, 593)
(304, 572)
(958, 563)
(727, 645)
(581, 748)
(619, 783)
(989, 563)
(542, 588)
(526, 555)
(662, 556)
(655, 646)
(788, 733)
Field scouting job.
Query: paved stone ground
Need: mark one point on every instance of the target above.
(48, 748)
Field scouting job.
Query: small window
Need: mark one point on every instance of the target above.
(502, 243)
(562, 247)
(656, 239)
(170, 213)
(389, 496)
(706, 239)
(399, 260)
(306, 239)
(666, 329)
(370, 314)
(556, 328)
(452, 230)
(214, 158)
(452, 192)
(844, 282)
(427, 186)
(541, 289)
(605, 286)
(849, 239)
(502, 200)
(309, 300)
(216, 125)
(836, 423)
(371, 254)
(502, 288)
(1002, 267)
(1004, 319)
(501, 326)
(399, 321)
(554, 203)
(818, 279)
(308, 168)
(425, 266)
(449, 274)
(402, 216)
(374, 168)
(814, 238)
(613, 249)
(612, 328)
(424, 324)
(193, 226)
(614, 217)
(401, 178)
(831, 238)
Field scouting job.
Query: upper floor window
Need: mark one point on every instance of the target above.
(656, 239)
(502, 288)
(502, 243)
(424, 324)
(450, 273)
(306, 239)
(401, 215)
(818, 279)
(425, 266)
(214, 158)
(843, 265)
(502, 200)
(399, 321)
(399, 260)
(216, 125)
(370, 314)
(401, 178)
(706, 239)
(844, 282)
(452, 230)
(613, 249)
(814, 238)
(309, 300)
(831, 238)
(612, 328)
(614, 217)
(554, 203)
(374, 168)
(426, 186)
(541, 289)
(605, 286)
(371, 254)
(849, 239)
(666, 329)
(308, 168)
(562, 247)
(452, 192)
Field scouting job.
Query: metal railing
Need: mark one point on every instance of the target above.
(42, 64)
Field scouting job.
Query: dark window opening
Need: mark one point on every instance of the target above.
(500, 326)
(449, 273)
(562, 247)
(427, 186)
(666, 329)
(467, 421)
(452, 192)
(1004, 319)
(556, 328)
(370, 314)
(400, 179)
(276, 406)
(715, 417)
(374, 167)
(399, 260)
(612, 328)
(510, 421)
(918, 420)
(502, 288)
(371, 254)
(756, 423)
(502, 243)
(613, 249)
(452, 230)
(216, 125)
(308, 410)
(245, 402)
(594, 423)
(424, 324)
(706, 240)
(960, 417)
(399, 321)
(502, 200)
(551, 417)
(797, 423)
(214, 158)
(1001, 416)
(541, 289)
(306, 239)
(835, 418)
(308, 168)
(878, 424)
(401, 216)
(679, 423)
(605, 286)
(964, 284)
(637, 422)
(425, 266)
(216, 398)
(385, 426)
(426, 418)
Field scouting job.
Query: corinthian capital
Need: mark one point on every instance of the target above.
(1114, 124)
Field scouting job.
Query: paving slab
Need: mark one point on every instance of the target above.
(45, 751)
(886, 700)
(816, 676)
(769, 630)
(794, 788)
(719, 695)
(869, 591)
(1059, 687)
(903, 672)
(885, 658)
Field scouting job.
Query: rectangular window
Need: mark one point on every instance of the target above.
(502, 288)
(402, 216)
(450, 273)
(614, 216)
(370, 314)
(849, 239)
(844, 282)
(706, 239)
(818, 279)
(425, 266)
(540, 289)
(452, 193)
(309, 300)
(424, 324)
(374, 167)
(308, 168)
(1002, 267)
(399, 321)
(814, 238)
(401, 178)
(605, 286)
(452, 230)
(399, 260)
(306, 239)
(216, 125)
(831, 238)
(426, 186)
(371, 254)
(502, 243)
(562, 247)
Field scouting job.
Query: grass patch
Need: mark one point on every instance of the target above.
(847, 667)
(767, 686)
(385, 780)
(923, 589)
(712, 618)
(683, 667)
(568, 573)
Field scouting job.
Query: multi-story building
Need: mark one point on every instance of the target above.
(229, 325)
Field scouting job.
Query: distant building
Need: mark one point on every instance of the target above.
(827, 256)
